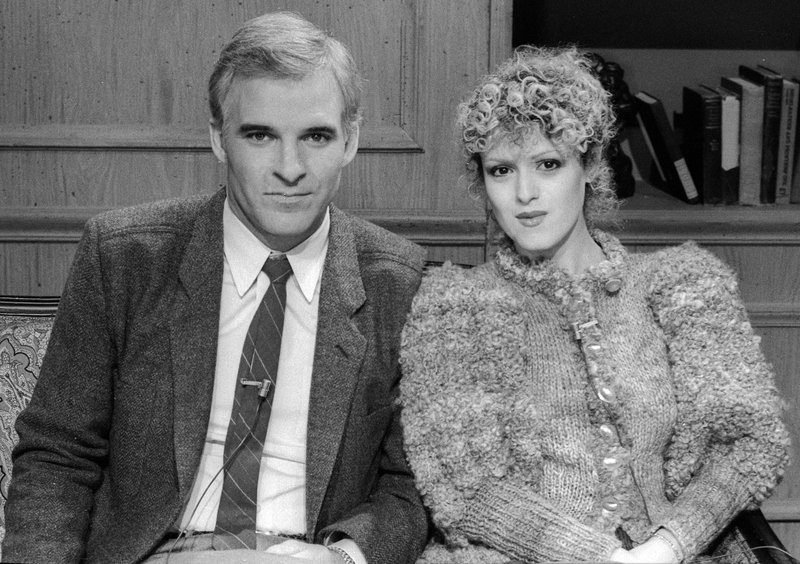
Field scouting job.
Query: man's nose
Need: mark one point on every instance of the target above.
(290, 168)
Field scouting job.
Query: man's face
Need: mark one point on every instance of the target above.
(285, 148)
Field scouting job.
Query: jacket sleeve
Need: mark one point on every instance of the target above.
(728, 406)
(64, 431)
(389, 525)
(458, 393)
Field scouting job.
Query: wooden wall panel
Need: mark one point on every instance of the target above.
(104, 105)
(125, 63)
(789, 533)
(40, 269)
(780, 348)
(780, 345)
(103, 179)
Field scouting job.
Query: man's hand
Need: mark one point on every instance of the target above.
(622, 555)
(305, 552)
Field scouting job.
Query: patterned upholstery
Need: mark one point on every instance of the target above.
(24, 331)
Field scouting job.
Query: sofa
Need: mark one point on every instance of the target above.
(25, 324)
(24, 330)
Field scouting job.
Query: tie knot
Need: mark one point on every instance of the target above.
(278, 269)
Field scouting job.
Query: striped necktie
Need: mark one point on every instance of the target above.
(247, 430)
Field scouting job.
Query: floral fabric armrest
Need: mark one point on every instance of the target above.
(25, 324)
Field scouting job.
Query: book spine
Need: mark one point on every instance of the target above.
(794, 196)
(667, 175)
(788, 134)
(692, 196)
(712, 151)
(656, 161)
(752, 126)
(666, 153)
(678, 163)
(729, 157)
(773, 92)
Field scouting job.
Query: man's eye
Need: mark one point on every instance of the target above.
(318, 138)
(257, 136)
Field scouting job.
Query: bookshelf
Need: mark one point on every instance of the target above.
(652, 217)
(663, 47)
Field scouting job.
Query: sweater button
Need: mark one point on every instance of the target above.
(607, 431)
(610, 505)
(613, 285)
(610, 462)
(606, 394)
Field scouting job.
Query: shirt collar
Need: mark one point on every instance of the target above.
(246, 254)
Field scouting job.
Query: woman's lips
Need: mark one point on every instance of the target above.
(531, 219)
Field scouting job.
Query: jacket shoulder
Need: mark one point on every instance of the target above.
(176, 214)
(145, 246)
(376, 244)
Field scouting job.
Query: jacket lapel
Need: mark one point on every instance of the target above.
(194, 327)
(339, 353)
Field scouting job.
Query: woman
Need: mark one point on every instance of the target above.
(569, 400)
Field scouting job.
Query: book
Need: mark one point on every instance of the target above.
(668, 159)
(786, 140)
(794, 196)
(729, 161)
(702, 141)
(751, 125)
(773, 93)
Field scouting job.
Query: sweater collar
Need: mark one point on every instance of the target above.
(547, 278)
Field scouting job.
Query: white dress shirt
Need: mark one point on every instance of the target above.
(281, 491)
(282, 479)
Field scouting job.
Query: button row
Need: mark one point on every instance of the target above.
(589, 335)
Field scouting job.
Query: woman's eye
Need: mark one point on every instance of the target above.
(550, 164)
(499, 171)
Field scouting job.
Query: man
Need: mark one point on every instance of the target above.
(125, 452)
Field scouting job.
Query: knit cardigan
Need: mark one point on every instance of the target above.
(544, 414)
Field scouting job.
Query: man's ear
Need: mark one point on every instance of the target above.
(351, 146)
(216, 143)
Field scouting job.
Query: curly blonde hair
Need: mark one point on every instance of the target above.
(551, 91)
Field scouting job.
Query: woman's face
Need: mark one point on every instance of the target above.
(537, 195)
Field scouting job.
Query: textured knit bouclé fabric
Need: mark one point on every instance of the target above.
(544, 414)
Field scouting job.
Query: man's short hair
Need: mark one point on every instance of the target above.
(284, 45)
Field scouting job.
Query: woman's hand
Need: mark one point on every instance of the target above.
(654, 550)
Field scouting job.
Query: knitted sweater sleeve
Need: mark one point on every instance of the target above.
(460, 355)
(728, 406)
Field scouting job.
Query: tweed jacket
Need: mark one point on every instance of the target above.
(545, 414)
(111, 441)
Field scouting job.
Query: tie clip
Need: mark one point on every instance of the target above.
(263, 386)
